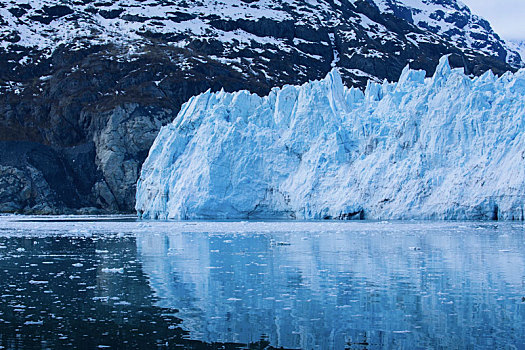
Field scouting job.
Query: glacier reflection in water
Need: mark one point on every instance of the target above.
(331, 285)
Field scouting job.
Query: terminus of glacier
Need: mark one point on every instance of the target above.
(446, 147)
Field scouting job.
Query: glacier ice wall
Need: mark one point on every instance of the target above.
(446, 147)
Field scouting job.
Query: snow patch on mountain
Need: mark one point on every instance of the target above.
(447, 147)
(49, 23)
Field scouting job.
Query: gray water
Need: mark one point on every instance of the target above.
(122, 283)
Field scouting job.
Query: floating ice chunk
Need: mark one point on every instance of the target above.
(38, 282)
(113, 270)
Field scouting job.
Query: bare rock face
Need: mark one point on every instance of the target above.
(36, 179)
(121, 148)
(89, 84)
(15, 189)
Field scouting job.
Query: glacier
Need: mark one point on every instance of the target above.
(448, 146)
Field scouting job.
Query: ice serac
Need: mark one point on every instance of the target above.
(446, 147)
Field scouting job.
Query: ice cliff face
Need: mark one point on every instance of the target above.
(447, 147)
(90, 82)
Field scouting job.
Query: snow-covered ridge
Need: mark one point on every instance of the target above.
(447, 147)
(453, 20)
(46, 24)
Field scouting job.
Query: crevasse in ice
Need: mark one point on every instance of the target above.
(446, 147)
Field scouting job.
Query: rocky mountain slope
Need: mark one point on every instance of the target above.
(86, 85)
(446, 147)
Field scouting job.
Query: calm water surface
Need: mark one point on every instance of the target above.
(121, 283)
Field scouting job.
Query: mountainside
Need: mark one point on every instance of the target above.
(518, 46)
(446, 147)
(86, 85)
